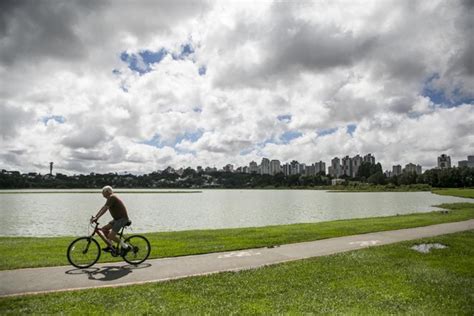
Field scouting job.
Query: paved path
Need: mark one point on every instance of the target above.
(39, 280)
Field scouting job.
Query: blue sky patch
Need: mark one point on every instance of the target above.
(351, 128)
(190, 136)
(326, 131)
(142, 61)
(258, 147)
(124, 87)
(284, 118)
(155, 141)
(186, 51)
(58, 118)
(440, 98)
(202, 70)
(246, 151)
(197, 109)
(289, 136)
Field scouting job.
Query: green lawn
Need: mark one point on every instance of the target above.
(39, 252)
(53, 191)
(384, 280)
(465, 193)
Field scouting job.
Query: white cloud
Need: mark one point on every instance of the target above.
(320, 65)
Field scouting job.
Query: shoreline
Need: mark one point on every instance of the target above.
(49, 251)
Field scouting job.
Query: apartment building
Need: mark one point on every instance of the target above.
(444, 162)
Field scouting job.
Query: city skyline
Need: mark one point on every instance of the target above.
(345, 167)
(90, 86)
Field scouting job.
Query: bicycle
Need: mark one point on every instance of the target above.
(85, 251)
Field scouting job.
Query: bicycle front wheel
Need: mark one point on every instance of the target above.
(83, 252)
(140, 249)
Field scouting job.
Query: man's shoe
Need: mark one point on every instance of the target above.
(124, 251)
(109, 249)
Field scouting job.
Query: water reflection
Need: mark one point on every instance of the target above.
(66, 214)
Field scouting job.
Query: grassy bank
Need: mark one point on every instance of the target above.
(39, 252)
(460, 192)
(391, 279)
(42, 191)
(366, 187)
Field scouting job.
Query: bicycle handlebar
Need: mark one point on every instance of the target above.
(93, 222)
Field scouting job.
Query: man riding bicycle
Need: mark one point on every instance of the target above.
(120, 219)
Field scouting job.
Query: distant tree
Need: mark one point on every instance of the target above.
(366, 169)
(189, 172)
(377, 178)
(407, 178)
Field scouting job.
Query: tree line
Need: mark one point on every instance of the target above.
(190, 178)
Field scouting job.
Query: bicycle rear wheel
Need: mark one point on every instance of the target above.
(83, 252)
(140, 249)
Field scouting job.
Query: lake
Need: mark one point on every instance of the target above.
(67, 212)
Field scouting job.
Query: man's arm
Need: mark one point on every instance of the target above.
(100, 213)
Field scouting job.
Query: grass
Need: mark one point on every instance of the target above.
(390, 279)
(23, 252)
(460, 192)
(95, 191)
(367, 187)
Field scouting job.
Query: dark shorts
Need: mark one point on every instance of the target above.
(117, 224)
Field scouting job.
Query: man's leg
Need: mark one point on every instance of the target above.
(113, 236)
(106, 230)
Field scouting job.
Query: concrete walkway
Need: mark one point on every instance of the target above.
(41, 280)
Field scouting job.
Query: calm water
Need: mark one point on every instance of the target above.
(66, 214)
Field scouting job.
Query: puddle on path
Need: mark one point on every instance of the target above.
(426, 248)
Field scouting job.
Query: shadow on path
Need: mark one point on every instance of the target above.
(107, 273)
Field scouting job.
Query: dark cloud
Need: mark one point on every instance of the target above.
(31, 30)
(12, 118)
(292, 46)
(93, 155)
(70, 30)
(464, 61)
(86, 138)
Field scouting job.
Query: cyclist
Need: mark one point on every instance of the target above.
(120, 219)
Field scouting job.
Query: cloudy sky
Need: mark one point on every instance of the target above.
(113, 86)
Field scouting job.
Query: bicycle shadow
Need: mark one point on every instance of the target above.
(107, 273)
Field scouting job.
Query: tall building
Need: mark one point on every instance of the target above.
(253, 167)
(396, 170)
(412, 168)
(419, 169)
(467, 163)
(320, 167)
(310, 170)
(286, 169)
(335, 167)
(444, 161)
(275, 167)
(295, 167)
(302, 169)
(369, 158)
(356, 162)
(229, 168)
(265, 166)
(346, 166)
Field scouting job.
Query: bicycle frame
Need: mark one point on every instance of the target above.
(102, 236)
(137, 250)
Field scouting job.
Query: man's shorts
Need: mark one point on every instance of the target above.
(117, 224)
